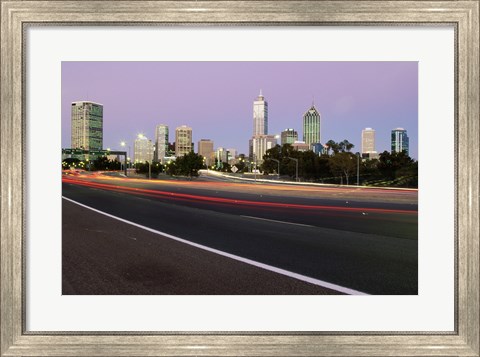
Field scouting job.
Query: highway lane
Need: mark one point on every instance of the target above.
(103, 256)
(379, 196)
(343, 208)
(373, 249)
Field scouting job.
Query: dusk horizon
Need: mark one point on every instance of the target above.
(215, 99)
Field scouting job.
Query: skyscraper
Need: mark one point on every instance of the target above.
(143, 149)
(205, 148)
(399, 140)
(260, 141)
(161, 142)
(183, 140)
(368, 141)
(260, 115)
(288, 136)
(87, 125)
(311, 126)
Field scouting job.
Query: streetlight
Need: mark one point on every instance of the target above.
(296, 170)
(278, 162)
(358, 169)
(124, 143)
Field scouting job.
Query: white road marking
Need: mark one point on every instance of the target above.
(290, 274)
(274, 220)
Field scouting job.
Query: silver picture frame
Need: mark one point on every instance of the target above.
(16, 16)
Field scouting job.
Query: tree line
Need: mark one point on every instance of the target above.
(337, 165)
(340, 166)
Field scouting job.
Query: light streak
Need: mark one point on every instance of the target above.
(198, 198)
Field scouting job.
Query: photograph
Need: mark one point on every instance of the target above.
(239, 177)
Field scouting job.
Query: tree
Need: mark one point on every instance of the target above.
(101, 163)
(187, 165)
(390, 163)
(344, 163)
(144, 168)
(70, 162)
(346, 145)
(332, 145)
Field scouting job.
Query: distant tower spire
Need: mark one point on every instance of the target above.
(313, 101)
(261, 95)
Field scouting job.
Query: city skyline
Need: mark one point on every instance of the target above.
(215, 98)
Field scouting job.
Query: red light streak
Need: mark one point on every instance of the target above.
(184, 196)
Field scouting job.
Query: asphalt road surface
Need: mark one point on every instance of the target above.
(206, 237)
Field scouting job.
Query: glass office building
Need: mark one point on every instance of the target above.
(311, 126)
(161, 142)
(87, 125)
(399, 140)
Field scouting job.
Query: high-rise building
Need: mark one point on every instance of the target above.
(260, 141)
(183, 140)
(143, 149)
(368, 141)
(259, 146)
(260, 115)
(87, 125)
(205, 148)
(161, 142)
(288, 136)
(399, 140)
(311, 126)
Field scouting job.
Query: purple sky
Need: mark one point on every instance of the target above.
(216, 99)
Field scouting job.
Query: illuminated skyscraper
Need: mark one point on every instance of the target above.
(260, 115)
(183, 140)
(161, 142)
(311, 126)
(143, 149)
(260, 141)
(368, 141)
(87, 125)
(399, 140)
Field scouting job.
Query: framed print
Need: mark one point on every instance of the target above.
(170, 225)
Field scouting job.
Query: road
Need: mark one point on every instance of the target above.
(292, 239)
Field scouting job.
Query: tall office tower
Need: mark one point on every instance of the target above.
(183, 140)
(143, 149)
(260, 140)
(368, 141)
(161, 142)
(311, 126)
(260, 115)
(205, 148)
(87, 125)
(399, 140)
(288, 136)
(259, 146)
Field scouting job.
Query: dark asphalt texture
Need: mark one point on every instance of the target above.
(103, 256)
(375, 253)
